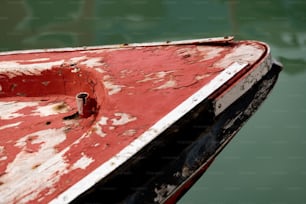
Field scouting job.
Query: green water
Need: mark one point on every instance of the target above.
(266, 162)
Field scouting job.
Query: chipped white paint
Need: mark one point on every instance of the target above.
(9, 110)
(241, 54)
(9, 125)
(155, 77)
(169, 84)
(98, 130)
(77, 59)
(37, 60)
(120, 119)
(200, 77)
(51, 109)
(2, 152)
(209, 52)
(162, 74)
(83, 162)
(3, 158)
(98, 69)
(129, 132)
(124, 118)
(93, 62)
(29, 167)
(103, 120)
(112, 88)
(41, 177)
(75, 70)
(98, 126)
(14, 68)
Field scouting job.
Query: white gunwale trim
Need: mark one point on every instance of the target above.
(153, 132)
(116, 46)
(243, 85)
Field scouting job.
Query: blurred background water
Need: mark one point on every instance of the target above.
(266, 161)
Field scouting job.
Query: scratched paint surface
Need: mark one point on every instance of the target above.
(134, 87)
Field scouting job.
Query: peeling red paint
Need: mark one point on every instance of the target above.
(132, 88)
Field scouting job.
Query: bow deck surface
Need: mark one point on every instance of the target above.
(50, 153)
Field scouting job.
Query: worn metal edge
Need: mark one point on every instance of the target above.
(116, 46)
(153, 132)
(261, 69)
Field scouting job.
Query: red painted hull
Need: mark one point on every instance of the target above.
(133, 94)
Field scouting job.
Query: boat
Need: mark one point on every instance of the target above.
(126, 123)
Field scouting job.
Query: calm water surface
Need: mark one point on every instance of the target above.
(266, 162)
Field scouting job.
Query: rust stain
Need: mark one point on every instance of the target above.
(60, 107)
(35, 166)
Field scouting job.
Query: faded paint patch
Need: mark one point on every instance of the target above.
(123, 119)
(75, 70)
(26, 167)
(93, 62)
(77, 59)
(200, 77)
(241, 54)
(9, 110)
(155, 77)
(130, 132)
(100, 70)
(10, 125)
(37, 60)
(83, 162)
(3, 158)
(103, 120)
(14, 68)
(98, 126)
(2, 154)
(169, 84)
(208, 52)
(98, 130)
(112, 88)
(51, 109)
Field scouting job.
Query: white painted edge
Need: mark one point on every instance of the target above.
(153, 132)
(116, 46)
(243, 85)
